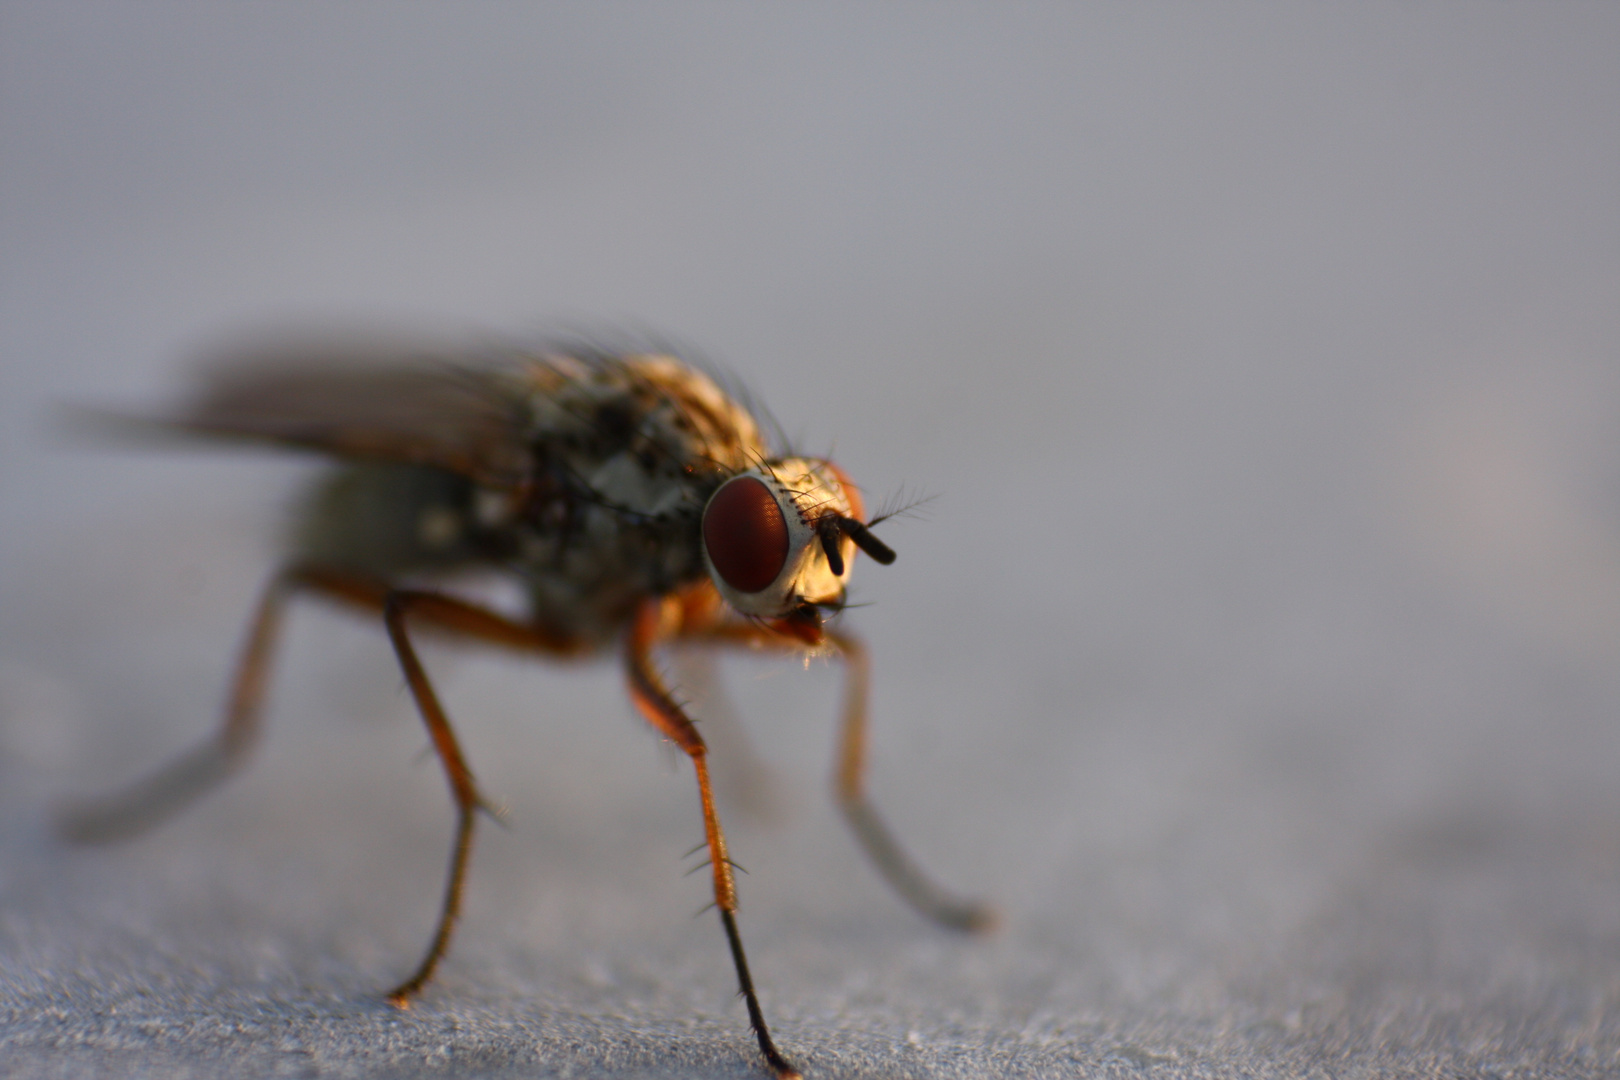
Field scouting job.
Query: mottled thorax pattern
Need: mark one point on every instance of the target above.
(625, 453)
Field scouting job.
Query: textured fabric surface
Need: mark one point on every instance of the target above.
(1256, 657)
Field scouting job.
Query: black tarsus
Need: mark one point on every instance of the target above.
(756, 1017)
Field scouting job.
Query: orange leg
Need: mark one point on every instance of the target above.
(654, 621)
(741, 777)
(850, 779)
(181, 782)
(173, 787)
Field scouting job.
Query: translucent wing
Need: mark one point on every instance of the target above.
(414, 409)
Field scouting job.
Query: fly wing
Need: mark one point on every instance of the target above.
(407, 409)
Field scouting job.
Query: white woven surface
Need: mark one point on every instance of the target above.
(1257, 657)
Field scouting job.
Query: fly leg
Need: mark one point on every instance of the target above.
(462, 789)
(850, 789)
(192, 775)
(849, 780)
(177, 784)
(469, 620)
(742, 779)
(653, 621)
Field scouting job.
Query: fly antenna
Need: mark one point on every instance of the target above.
(828, 530)
(875, 548)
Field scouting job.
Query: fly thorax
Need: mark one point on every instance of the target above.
(624, 482)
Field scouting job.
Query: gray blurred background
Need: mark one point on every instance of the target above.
(1258, 655)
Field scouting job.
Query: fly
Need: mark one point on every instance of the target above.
(635, 504)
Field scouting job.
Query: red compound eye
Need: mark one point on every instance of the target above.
(745, 535)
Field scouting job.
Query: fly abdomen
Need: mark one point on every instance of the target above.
(388, 520)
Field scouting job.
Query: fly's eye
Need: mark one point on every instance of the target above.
(745, 535)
